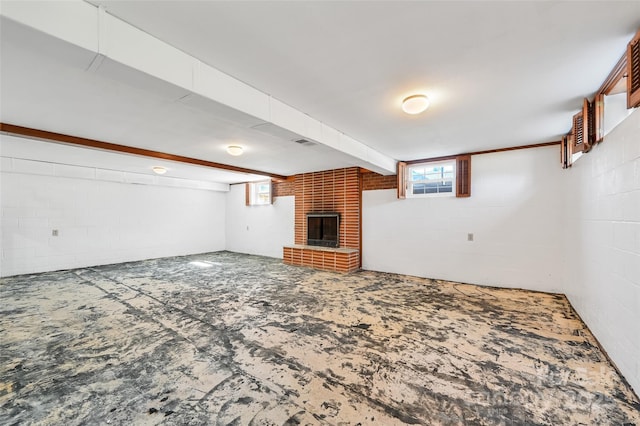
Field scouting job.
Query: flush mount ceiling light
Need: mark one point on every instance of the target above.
(234, 150)
(159, 170)
(415, 104)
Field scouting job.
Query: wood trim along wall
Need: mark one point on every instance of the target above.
(488, 151)
(618, 71)
(91, 143)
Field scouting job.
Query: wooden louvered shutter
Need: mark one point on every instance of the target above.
(247, 194)
(463, 176)
(577, 133)
(401, 171)
(633, 72)
(564, 152)
(598, 118)
(588, 124)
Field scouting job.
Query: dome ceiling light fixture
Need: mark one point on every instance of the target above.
(234, 150)
(159, 170)
(415, 104)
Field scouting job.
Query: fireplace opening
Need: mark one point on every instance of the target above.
(322, 229)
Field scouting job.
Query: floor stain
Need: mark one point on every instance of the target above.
(247, 340)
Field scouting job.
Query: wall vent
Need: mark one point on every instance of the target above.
(304, 142)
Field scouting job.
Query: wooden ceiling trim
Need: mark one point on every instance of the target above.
(107, 146)
(614, 77)
(488, 151)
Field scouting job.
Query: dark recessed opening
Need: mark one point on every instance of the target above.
(322, 229)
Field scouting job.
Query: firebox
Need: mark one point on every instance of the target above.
(322, 229)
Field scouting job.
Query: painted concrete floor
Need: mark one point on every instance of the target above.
(230, 339)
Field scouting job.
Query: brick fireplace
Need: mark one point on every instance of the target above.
(327, 191)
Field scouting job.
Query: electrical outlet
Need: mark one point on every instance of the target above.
(469, 237)
(54, 233)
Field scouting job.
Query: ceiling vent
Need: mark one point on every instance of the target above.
(304, 142)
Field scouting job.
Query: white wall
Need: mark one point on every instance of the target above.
(515, 213)
(102, 217)
(261, 230)
(603, 244)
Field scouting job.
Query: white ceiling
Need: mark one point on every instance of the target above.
(499, 74)
(46, 152)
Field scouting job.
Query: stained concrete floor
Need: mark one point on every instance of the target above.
(230, 339)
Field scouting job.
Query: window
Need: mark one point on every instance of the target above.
(449, 176)
(258, 193)
(434, 178)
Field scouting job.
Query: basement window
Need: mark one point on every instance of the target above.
(258, 193)
(431, 179)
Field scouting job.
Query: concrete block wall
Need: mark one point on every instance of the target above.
(101, 217)
(603, 243)
(261, 230)
(515, 216)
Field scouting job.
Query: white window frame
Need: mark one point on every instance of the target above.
(255, 198)
(410, 182)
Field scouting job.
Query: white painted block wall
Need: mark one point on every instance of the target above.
(515, 213)
(261, 230)
(603, 244)
(102, 217)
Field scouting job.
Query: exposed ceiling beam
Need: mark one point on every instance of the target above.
(111, 39)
